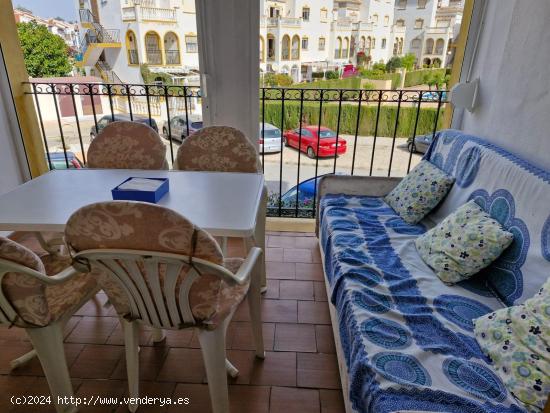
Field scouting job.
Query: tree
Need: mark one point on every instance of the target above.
(380, 67)
(408, 61)
(394, 63)
(277, 79)
(46, 55)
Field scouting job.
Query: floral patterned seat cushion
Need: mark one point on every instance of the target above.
(463, 244)
(419, 192)
(218, 149)
(38, 304)
(127, 145)
(517, 340)
(149, 227)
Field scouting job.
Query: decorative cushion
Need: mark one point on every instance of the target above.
(38, 304)
(149, 227)
(127, 145)
(465, 242)
(517, 340)
(419, 192)
(218, 149)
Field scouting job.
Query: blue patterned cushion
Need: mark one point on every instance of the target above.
(517, 341)
(463, 244)
(419, 192)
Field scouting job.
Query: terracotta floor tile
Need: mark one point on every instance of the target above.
(295, 337)
(242, 313)
(34, 368)
(317, 371)
(93, 330)
(272, 288)
(325, 339)
(332, 401)
(151, 360)
(96, 361)
(285, 400)
(279, 311)
(278, 369)
(90, 389)
(10, 351)
(320, 291)
(313, 312)
(296, 290)
(151, 389)
(281, 270)
(183, 365)
(242, 399)
(306, 242)
(38, 388)
(177, 338)
(274, 254)
(96, 307)
(316, 255)
(13, 334)
(117, 336)
(13, 386)
(241, 336)
(297, 255)
(281, 241)
(313, 272)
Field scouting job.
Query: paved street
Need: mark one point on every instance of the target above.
(363, 156)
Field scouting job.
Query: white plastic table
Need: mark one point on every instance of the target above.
(224, 204)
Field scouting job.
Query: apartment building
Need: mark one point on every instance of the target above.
(297, 37)
(121, 35)
(67, 31)
(430, 27)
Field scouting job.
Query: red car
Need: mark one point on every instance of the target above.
(310, 141)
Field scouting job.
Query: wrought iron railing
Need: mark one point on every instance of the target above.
(154, 56)
(371, 131)
(172, 57)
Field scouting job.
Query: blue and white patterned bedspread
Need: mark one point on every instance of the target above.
(406, 337)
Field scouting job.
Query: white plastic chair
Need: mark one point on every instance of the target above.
(40, 294)
(158, 269)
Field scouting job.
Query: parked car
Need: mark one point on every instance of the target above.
(434, 96)
(271, 141)
(420, 143)
(105, 120)
(325, 142)
(178, 127)
(58, 160)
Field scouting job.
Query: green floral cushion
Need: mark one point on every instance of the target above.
(517, 340)
(465, 242)
(419, 192)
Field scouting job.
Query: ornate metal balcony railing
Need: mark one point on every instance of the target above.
(378, 125)
(133, 57)
(172, 57)
(154, 56)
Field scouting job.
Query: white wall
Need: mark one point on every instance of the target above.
(13, 167)
(512, 63)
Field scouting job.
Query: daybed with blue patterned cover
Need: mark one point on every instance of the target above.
(404, 338)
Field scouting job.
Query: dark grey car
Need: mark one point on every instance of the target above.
(420, 144)
(105, 120)
(178, 127)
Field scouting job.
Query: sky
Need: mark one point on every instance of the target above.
(49, 8)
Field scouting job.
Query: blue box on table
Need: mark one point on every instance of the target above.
(141, 195)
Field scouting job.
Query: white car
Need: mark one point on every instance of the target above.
(271, 141)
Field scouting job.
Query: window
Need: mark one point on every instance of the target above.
(262, 49)
(131, 48)
(422, 4)
(305, 14)
(346, 48)
(285, 47)
(274, 12)
(191, 43)
(418, 23)
(439, 46)
(321, 43)
(386, 20)
(374, 19)
(324, 14)
(295, 52)
(373, 43)
(152, 48)
(429, 49)
(383, 45)
(338, 48)
(305, 43)
(415, 44)
(401, 4)
(400, 23)
(442, 23)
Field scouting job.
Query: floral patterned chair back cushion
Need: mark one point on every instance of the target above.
(218, 149)
(23, 292)
(143, 226)
(127, 145)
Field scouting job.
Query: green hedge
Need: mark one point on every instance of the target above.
(348, 83)
(416, 77)
(394, 77)
(348, 118)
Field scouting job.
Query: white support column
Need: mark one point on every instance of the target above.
(228, 36)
